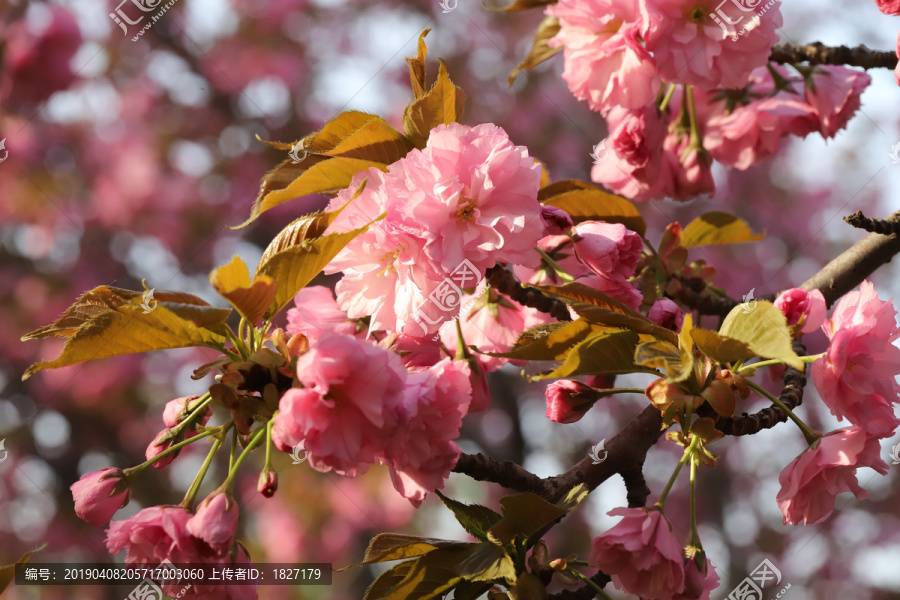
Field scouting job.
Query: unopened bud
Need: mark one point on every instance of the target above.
(268, 483)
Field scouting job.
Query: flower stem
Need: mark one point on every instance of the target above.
(692, 114)
(665, 102)
(590, 583)
(810, 435)
(188, 501)
(268, 464)
(688, 452)
(171, 449)
(605, 393)
(768, 363)
(695, 536)
(232, 473)
(560, 272)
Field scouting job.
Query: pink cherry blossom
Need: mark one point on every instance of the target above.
(889, 7)
(856, 376)
(810, 483)
(834, 94)
(316, 313)
(153, 535)
(610, 250)
(803, 308)
(689, 168)
(605, 60)
(422, 452)
(634, 161)
(569, 400)
(345, 412)
(666, 313)
(641, 554)
(216, 522)
(691, 48)
(99, 494)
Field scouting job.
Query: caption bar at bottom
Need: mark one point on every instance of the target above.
(183, 573)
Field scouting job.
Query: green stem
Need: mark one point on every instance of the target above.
(590, 583)
(605, 393)
(775, 361)
(461, 350)
(688, 452)
(695, 536)
(173, 448)
(665, 103)
(234, 442)
(810, 435)
(692, 114)
(237, 342)
(205, 399)
(555, 266)
(269, 426)
(232, 473)
(188, 501)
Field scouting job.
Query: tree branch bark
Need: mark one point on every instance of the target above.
(818, 53)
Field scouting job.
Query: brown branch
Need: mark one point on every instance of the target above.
(855, 264)
(861, 221)
(583, 593)
(505, 282)
(818, 53)
(507, 473)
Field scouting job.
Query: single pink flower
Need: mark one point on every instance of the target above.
(690, 168)
(810, 483)
(889, 7)
(610, 250)
(316, 313)
(632, 161)
(569, 400)
(666, 313)
(691, 47)
(606, 63)
(834, 94)
(421, 452)
(345, 412)
(641, 554)
(856, 376)
(216, 522)
(99, 494)
(805, 309)
(153, 535)
(556, 221)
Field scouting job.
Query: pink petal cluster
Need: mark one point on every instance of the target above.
(469, 195)
(692, 47)
(316, 313)
(99, 494)
(569, 400)
(803, 309)
(889, 7)
(422, 452)
(641, 554)
(347, 408)
(666, 313)
(216, 522)
(606, 62)
(699, 581)
(162, 533)
(611, 252)
(834, 94)
(810, 483)
(856, 376)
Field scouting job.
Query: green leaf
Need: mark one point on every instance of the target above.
(474, 518)
(554, 345)
(521, 5)
(431, 575)
(442, 104)
(488, 562)
(395, 546)
(764, 330)
(611, 318)
(381, 587)
(528, 587)
(586, 202)
(678, 361)
(353, 141)
(718, 228)
(575, 292)
(524, 515)
(123, 328)
(574, 497)
(8, 572)
(250, 298)
(721, 349)
(540, 51)
(610, 353)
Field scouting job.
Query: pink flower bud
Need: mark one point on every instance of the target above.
(802, 308)
(99, 494)
(159, 444)
(268, 483)
(608, 249)
(666, 313)
(216, 522)
(568, 400)
(556, 220)
(178, 409)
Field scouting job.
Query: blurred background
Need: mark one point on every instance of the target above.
(129, 160)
